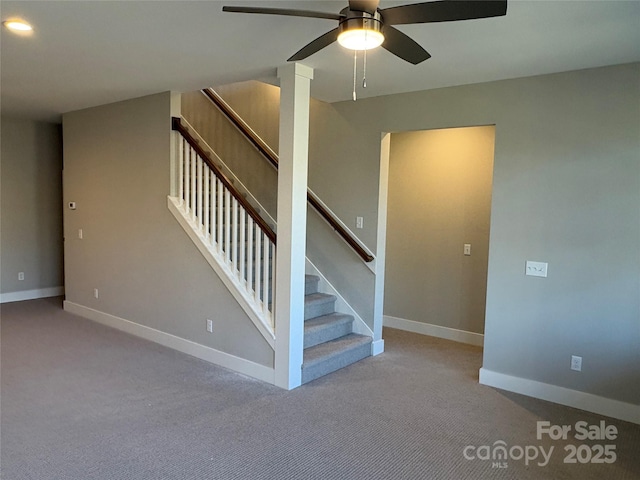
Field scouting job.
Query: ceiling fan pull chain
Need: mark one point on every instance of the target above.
(355, 65)
(364, 74)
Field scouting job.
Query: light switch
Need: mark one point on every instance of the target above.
(359, 222)
(536, 269)
(467, 249)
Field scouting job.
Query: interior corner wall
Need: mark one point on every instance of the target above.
(144, 266)
(566, 190)
(31, 209)
(439, 200)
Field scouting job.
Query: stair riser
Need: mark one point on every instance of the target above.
(327, 334)
(319, 309)
(311, 286)
(337, 362)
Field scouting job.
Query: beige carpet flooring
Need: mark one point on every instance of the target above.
(82, 401)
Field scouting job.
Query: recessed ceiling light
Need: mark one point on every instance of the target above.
(18, 26)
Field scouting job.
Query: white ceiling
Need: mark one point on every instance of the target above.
(87, 53)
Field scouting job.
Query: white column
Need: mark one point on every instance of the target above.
(295, 83)
(377, 345)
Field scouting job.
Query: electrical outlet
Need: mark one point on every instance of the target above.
(210, 326)
(576, 363)
(95, 292)
(20, 276)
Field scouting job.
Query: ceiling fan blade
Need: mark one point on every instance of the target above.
(369, 6)
(444, 11)
(283, 11)
(402, 46)
(315, 46)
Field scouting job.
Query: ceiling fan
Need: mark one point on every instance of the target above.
(362, 25)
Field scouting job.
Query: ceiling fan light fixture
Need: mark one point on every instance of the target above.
(360, 30)
(360, 39)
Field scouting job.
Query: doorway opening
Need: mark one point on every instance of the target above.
(437, 235)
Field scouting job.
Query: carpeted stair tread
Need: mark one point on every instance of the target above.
(334, 355)
(326, 328)
(318, 304)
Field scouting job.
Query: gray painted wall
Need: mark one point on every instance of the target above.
(258, 104)
(117, 165)
(439, 200)
(31, 205)
(247, 164)
(566, 190)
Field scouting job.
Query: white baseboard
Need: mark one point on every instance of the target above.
(434, 330)
(237, 364)
(564, 396)
(377, 347)
(31, 294)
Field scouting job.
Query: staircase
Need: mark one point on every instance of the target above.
(329, 341)
(240, 246)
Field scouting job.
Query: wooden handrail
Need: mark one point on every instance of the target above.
(241, 125)
(177, 125)
(269, 154)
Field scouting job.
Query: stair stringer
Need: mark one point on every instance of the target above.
(221, 269)
(342, 306)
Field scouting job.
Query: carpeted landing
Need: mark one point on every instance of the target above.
(82, 401)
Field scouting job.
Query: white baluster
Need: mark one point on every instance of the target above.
(187, 181)
(274, 285)
(181, 171)
(206, 195)
(219, 220)
(200, 189)
(193, 184)
(242, 245)
(251, 231)
(234, 233)
(257, 266)
(227, 221)
(212, 203)
(265, 273)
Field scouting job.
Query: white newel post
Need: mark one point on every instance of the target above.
(295, 83)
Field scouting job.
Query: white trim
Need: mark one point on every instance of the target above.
(227, 278)
(342, 306)
(31, 294)
(564, 396)
(237, 364)
(461, 336)
(381, 236)
(377, 347)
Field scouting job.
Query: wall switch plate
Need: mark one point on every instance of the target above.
(95, 292)
(576, 363)
(20, 276)
(80, 234)
(72, 205)
(210, 326)
(536, 269)
(359, 222)
(467, 249)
